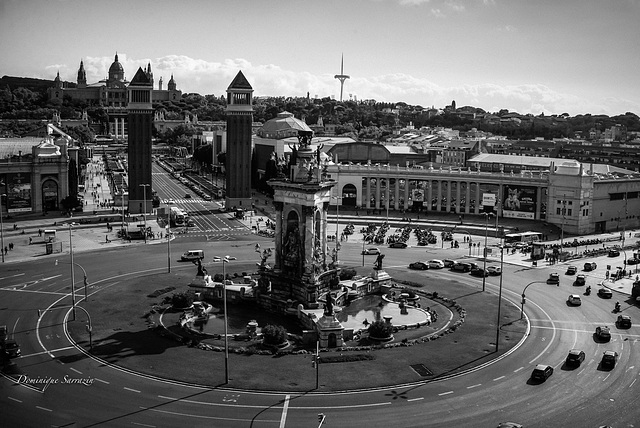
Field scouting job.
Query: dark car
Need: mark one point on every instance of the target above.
(187, 196)
(633, 261)
(603, 333)
(554, 278)
(11, 348)
(571, 270)
(448, 262)
(479, 272)
(541, 372)
(609, 359)
(589, 266)
(575, 357)
(580, 280)
(605, 293)
(398, 245)
(419, 265)
(623, 321)
(613, 253)
(461, 267)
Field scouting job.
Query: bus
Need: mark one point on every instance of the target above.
(177, 217)
(526, 237)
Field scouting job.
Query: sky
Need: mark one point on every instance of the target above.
(526, 56)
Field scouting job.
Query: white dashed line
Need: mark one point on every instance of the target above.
(132, 390)
(44, 408)
(416, 399)
(445, 393)
(15, 399)
(103, 381)
(75, 370)
(474, 386)
(498, 378)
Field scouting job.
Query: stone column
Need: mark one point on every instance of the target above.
(448, 207)
(439, 203)
(478, 200)
(278, 235)
(458, 184)
(467, 208)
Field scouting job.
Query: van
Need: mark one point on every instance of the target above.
(192, 255)
(461, 267)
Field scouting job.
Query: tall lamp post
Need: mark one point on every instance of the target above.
(168, 232)
(2, 228)
(523, 296)
(337, 198)
(144, 215)
(499, 297)
(73, 277)
(84, 281)
(225, 260)
(564, 208)
(122, 200)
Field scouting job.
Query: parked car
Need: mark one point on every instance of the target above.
(605, 293)
(623, 321)
(371, 251)
(589, 266)
(603, 333)
(633, 261)
(541, 372)
(554, 278)
(448, 262)
(436, 264)
(613, 253)
(580, 280)
(494, 270)
(461, 267)
(12, 349)
(571, 270)
(419, 265)
(398, 245)
(479, 272)
(575, 357)
(574, 300)
(609, 359)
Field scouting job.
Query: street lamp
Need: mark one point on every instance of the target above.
(499, 296)
(523, 296)
(168, 232)
(225, 260)
(122, 200)
(564, 207)
(144, 215)
(337, 198)
(84, 272)
(2, 228)
(73, 277)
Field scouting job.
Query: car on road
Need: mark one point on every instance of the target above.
(541, 372)
(494, 270)
(574, 300)
(479, 272)
(192, 255)
(613, 253)
(187, 195)
(580, 280)
(371, 251)
(603, 333)
(398, 245)
(609, 359)
(509, 425)
(419, 265)
(461, 267)
(571, 270)
(589, 266)
(605, 293)
(170, 201)
(633, 261)
(575, 357)
(436, 264)
(554, 278)
(448, 262)
(206, 197)
(12, 349)
(623, 321)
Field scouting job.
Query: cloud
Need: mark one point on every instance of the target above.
(213, 78)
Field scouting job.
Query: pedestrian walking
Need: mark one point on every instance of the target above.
(30, 240)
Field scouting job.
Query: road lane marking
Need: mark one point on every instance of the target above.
(75, 370)
(49, 352)
(44, 408)
(498, 378)
(103, 381)
(143, 425)
(517, 370)
(132, 390)
(15, 399)
(445, 393)
(415, 399)
(216, 418)
(285, 409)
(474, 386)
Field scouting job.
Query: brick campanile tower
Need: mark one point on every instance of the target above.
(239, 121)
(140, 119)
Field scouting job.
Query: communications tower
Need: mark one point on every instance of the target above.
(341, 77)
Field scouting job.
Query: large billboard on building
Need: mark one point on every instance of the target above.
(519, 202)
(18, 190)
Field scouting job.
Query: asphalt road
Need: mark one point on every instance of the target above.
(585, 397)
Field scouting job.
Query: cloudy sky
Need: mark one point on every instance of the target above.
(528, 56)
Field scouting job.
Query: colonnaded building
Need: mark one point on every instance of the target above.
(581, 198)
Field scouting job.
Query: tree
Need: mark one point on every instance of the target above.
(380, 329)
(274, 334)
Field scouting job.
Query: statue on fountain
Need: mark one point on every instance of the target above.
(202, 271)
(377, 265)
(328, 307)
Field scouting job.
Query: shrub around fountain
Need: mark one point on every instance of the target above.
(182, 300)
(380, 330)
(274, 335)
(347, 273)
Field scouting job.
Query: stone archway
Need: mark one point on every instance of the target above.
(332, 341)
(349, 195)
(50, 195)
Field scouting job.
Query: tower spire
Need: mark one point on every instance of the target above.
(341, 77)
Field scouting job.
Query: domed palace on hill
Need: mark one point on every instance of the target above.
(110, 93)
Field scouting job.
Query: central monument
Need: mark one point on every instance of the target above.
(302, 271)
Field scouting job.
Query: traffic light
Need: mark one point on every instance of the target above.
(314, 361)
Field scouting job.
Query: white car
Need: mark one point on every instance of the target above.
(574, 299)
(372, 250)
(170, 201)
(436, 264)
